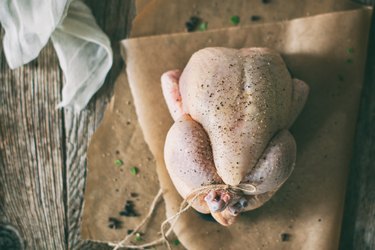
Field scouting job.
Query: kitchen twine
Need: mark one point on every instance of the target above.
(184, 206)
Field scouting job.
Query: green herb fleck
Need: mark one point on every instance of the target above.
(235, 20)
(350, 50)
(203, 26)
(134, 170)
(138, 237)
(349, 61)
(118, 162)
(176, 242)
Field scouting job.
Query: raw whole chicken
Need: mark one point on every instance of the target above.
(232, 110)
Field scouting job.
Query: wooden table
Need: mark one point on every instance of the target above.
(43, 149)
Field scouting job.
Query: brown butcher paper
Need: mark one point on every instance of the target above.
(308, 208)
(327, 51)
(116, 147)
(156, 17)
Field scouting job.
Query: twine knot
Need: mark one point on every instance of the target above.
(245, 188)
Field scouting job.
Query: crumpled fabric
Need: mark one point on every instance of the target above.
(83, 49)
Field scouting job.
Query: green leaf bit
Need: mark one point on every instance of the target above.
(118, 162)
(134, 170)
(176, 242)
(138, 237)
(235, 20)
(203, 26)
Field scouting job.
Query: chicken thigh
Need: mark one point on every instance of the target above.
(232, 110)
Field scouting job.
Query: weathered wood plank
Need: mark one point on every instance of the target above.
(114, 17)
(367, 2)
(31, 160)
(358, 228)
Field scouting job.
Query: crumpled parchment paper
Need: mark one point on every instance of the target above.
(156, 17)
(83, 50)
(328, 52)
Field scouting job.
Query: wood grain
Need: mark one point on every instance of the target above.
(114, 17)
(358, 229)
(31, 159)
(43, 150)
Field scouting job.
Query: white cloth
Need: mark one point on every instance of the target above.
(84, 51)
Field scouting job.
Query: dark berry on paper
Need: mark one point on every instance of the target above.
(133, 195)
(192, 23)
(285, 237)
(129, 210)
(255, 18)
(114, 223)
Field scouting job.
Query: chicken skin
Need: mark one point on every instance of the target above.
(232, 110)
